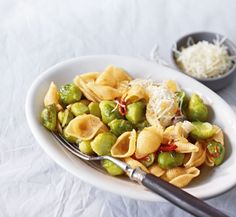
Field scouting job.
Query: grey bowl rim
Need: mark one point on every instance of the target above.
(233, 46)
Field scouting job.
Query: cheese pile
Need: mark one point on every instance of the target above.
(204, 59)
(162, 104)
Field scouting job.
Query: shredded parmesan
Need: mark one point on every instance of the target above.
(204, 59)
(162, 104)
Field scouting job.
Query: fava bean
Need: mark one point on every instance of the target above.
(148, 160)
(119, 126)
(49, 117)
(112, 168)
(85, 147)
(103, 142)
(69, 94)
(109, 111)
(168, 160)
(197, 110)
(217, 152)
(94, 109)
(202, 130)
(136, 112)
(79, 108)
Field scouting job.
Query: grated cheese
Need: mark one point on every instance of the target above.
(204, 59)
(162, 104)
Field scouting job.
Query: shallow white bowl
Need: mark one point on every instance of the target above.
(210, 183)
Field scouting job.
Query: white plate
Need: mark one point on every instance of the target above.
(211, 182)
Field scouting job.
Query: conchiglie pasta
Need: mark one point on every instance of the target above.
(134, 94)
(112, 76)
(180, 130)
(85, 127)
(90, 76)
(125, 145)
(197, 158)
(181, 177)
(104, 92)
(218, 135)
(209, 161)
(148, 141)
(78, 81)
(52, 95)
(134, 164)
(156, 170)
(184, 146)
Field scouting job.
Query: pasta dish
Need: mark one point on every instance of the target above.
(154, 125)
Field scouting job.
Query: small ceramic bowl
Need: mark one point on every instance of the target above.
(213, 83)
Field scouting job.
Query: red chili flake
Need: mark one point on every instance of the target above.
(216, 153)
(178, 112)
(147, 158)
(166, 148)
(122, 106)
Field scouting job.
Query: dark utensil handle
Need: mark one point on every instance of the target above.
(180, 197)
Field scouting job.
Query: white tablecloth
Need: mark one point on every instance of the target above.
(34, 35)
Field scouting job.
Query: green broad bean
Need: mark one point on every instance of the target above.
(142, 125)
(112, 168)
(103, 142)
(79, 108)
(119, 126)
(148, 160)
(69, 94)
(202, 130)
(60, 116)
(85, 147)
(94, 109)
(217, 152)
(49, 117)
(197, 110)
(65, 117)
(168, 160)
(109, 111)
(136, 112)
(68, 137)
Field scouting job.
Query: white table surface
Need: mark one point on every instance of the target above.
(34, 35)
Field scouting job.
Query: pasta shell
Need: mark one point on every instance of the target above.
(52, 95)
(134, 94)
(125, 145)
(90, 76)
(82, 80)
(218, 135)
(181, 129)
(156, 170)
(112, 76)
(184, 179)
(134, 164)
(169, 134)
(104, 92)
(197, 158)
(173, 173)
(84, 127)
(208, 161)
(148, 141)
(183, 146)
(181, 176)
